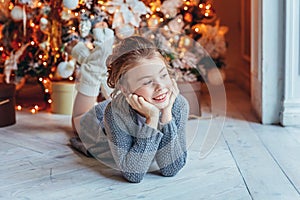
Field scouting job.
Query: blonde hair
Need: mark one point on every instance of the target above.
(126, 55)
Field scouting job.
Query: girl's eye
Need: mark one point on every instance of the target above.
(147, 83)
(164, 75)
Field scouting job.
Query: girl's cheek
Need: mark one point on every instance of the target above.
(168, 83)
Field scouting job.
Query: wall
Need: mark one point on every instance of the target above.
(290, 113)
(237, 69)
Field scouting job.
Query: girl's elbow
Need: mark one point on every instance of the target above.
(174, 168)
(133, 177)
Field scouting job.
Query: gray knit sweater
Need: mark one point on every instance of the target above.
(118, 136)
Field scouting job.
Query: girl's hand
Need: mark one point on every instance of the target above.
(167, 112)
(145, 108)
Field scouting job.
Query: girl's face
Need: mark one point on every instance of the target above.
(150, 79)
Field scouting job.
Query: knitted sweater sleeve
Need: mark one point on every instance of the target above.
(133, 149)
(172, 152)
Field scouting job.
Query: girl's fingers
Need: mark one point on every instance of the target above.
(131, 99)
(135, 101)
(143, 103)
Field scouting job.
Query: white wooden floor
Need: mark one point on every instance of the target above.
(250, 161)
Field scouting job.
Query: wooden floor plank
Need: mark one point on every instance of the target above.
(284, 148)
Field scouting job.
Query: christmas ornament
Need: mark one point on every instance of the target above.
(70, 4)
(66, 68)
(17, 13)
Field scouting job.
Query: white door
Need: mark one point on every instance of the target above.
(275, 65)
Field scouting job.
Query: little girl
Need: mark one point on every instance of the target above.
(143, 123)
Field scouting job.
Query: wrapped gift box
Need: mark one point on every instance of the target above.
(7, 104)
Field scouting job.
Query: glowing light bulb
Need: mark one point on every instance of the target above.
(19, 107)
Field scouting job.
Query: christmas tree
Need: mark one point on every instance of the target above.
(36, 35)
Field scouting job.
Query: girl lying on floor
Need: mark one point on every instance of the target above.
(142, 121)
